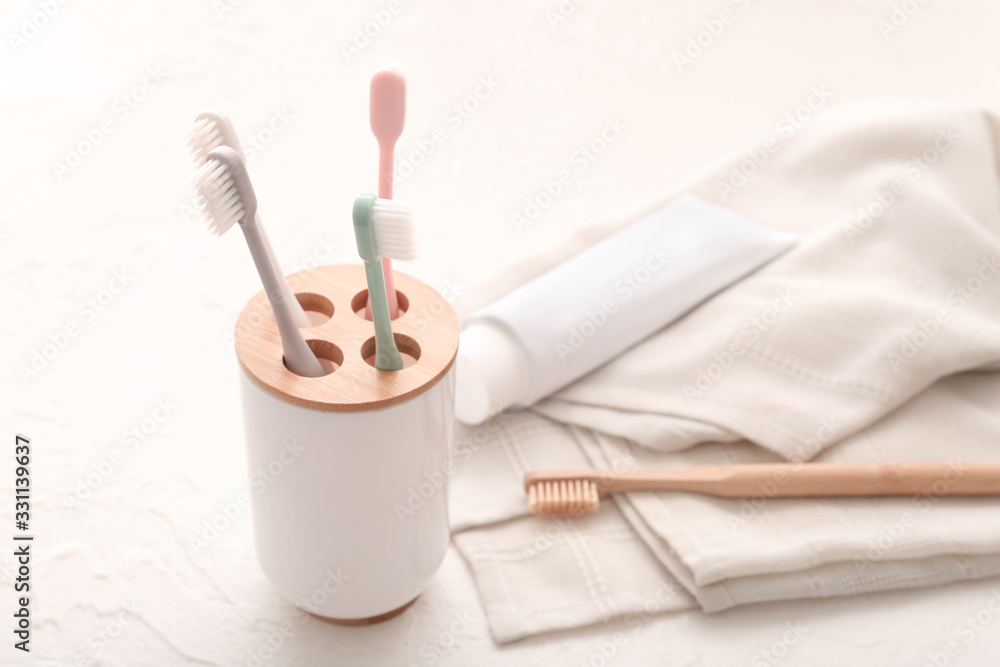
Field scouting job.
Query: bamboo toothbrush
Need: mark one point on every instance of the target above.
(387, 114)
(383, 228)
(578, 491)
(212, 129)
(225, 196)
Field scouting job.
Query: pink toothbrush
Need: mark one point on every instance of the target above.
(387, 115)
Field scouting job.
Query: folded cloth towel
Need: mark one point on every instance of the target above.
(877, 339)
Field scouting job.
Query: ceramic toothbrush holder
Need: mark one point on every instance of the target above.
(353, 523)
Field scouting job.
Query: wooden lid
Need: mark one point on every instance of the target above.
(427, 330)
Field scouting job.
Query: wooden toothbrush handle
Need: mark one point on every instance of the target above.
(813, 479)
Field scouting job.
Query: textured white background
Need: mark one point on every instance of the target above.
(163, 336)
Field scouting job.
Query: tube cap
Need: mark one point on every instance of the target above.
(492, 373)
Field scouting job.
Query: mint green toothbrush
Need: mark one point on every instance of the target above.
(383, 228)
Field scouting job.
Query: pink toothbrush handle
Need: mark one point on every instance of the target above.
(386, 156)
(385, 164)
(387, 114)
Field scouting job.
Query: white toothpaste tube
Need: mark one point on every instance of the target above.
(564, 324)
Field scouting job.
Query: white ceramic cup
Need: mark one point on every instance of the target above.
(338, 514)
(337, 528)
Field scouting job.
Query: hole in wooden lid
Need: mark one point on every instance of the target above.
(317, 307)
(360, 300)
(330, 356)
(409, 349)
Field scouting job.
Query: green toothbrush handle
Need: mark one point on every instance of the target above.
(386, 354)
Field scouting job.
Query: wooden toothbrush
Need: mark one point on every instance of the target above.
(579, 491)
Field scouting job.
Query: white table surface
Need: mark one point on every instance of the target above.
(162, 336)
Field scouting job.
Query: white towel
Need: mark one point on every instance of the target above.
(877, 339)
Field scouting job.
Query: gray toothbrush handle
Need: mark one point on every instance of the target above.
(298, 314)
(298, 356)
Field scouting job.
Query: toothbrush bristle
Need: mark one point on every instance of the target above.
(572, 497)
(205, 136)
(394, 227)
(216, 196)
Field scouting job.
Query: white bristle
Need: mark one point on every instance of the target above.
(394, 227)
(203, 138)
(216, 197)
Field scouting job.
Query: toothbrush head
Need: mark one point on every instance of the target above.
(388, 104)
(384, 228)
(212, 129)
(572, 492)
(223, 192)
